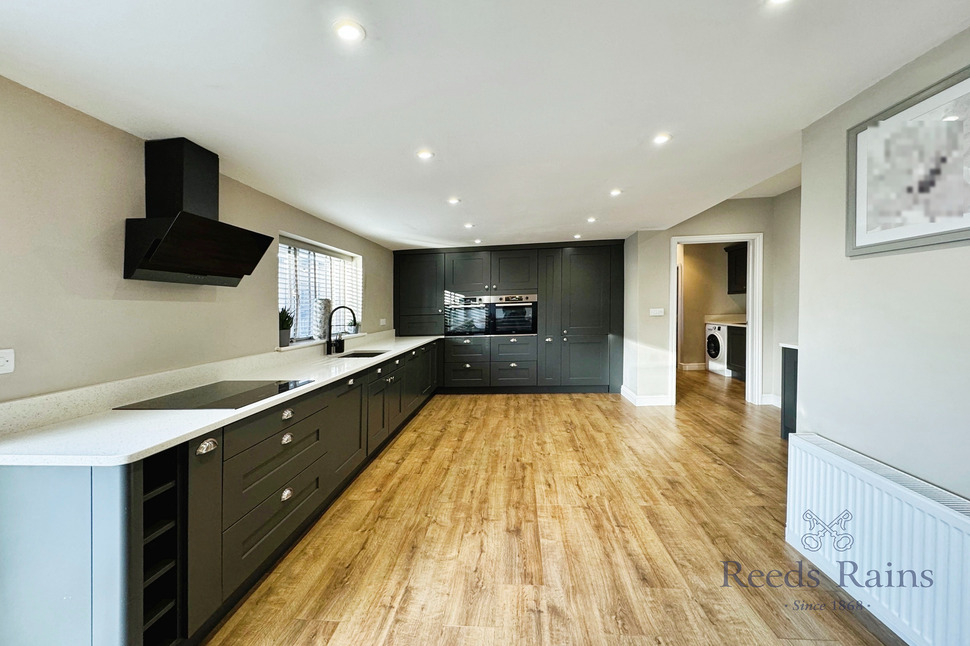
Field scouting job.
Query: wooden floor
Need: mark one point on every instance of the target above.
(554, 519)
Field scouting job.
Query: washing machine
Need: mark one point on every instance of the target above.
(716, 340)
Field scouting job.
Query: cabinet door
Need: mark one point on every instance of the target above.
(736, 349)
(377, 411)
(586, 291)
(513, 348)
(431, 366)
(346, 442)
(549, 307)
(204, 529)
(513, 373)
(462, 349)
(394, 398)
(737, 258)
(420, 284)
(468, 273)
(514, 272)
(549, 369)
(585, 361)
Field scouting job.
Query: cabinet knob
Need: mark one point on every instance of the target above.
(414, 353)
(467, 341)
(440, 311)
(548, 339)
(513, 340)
(494, 286)
(350, 382)
(513, 365)
(397, 362)
(380, 370)
(564, 339)
(207, 446)
(389, 379)
(468, 365)
(486, 288)
(286, 495)
(288, 413)
(565, 332)
(286, 439)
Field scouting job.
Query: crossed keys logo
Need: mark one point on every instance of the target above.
(841, 538)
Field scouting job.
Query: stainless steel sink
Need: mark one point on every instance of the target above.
(362, 354)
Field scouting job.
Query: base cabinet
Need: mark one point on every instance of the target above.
(585, 361)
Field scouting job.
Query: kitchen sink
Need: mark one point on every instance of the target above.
(362, 354)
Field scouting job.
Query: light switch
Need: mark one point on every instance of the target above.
(383, 322)
(6, 361)
(656, 311)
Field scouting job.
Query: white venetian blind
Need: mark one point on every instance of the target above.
(308, 273)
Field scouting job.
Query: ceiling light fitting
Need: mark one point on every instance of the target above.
(577, 236)
(615, 192)
(662, 138)
(453, 201)
(591, 220)
(477, 241)
(350, 31)
(425, 154)
(469, 225)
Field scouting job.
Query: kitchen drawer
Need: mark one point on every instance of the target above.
(432, 325)
(469, 374)
(462, 349)
(514, 348)
(248, 432)
(251, 476)
(513, 373)
(247, 544)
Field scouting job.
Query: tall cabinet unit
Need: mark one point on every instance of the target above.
(419, 284)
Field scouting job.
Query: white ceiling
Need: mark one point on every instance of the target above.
(535, 109)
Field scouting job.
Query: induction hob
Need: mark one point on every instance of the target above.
(221, 394)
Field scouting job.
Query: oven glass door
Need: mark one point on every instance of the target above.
(464, 320)
(514, 318)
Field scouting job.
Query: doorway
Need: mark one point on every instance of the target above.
(753, 308)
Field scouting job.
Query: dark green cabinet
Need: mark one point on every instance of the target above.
(419, 283)
(204, 528)
(789, 390)
(549, 366)
(737, 268)
(513, 373)
(377, 413)
(468, 273)
(514, 271)
(737, 344)
(465, 349)
(586, 291)
(346, 441)
(585, 360)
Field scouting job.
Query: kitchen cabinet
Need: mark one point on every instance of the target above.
(514, 272)
(468, 273)
(346, 438)
(513, 348)
(737, 268)
(419, 283)
(420, 376)
(464, 349)
(203, 544)
(585, 291)
(378, 411)
(585, 360)
(737, 343)
(789, 390)
(549, 364)
(471, 374)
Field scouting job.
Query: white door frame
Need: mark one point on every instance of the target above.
(754, 305)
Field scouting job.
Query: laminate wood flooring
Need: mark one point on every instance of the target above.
(555, 519)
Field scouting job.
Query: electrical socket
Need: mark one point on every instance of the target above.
(656, 311)
(6, 361)
(383, 322)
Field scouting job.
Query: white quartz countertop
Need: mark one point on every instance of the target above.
(117, 437)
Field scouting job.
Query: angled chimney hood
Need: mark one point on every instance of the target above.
(181, 239)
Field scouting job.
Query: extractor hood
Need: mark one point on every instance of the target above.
(181, 239)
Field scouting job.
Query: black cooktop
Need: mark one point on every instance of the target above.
(221, 394)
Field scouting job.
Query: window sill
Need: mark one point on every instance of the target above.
(306, 344)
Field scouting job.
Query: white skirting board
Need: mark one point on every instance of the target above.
(645, 400)
(693, 366)
(851, 516)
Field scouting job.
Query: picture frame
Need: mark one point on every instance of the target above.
(909, 172)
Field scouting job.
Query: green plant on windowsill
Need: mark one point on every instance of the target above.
(286, 323)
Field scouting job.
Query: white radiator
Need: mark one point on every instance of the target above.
(848, 513)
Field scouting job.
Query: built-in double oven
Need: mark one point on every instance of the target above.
(474, 315)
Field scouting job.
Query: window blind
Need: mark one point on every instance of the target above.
(308, 274)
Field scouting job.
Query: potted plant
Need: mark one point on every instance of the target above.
(286, 323)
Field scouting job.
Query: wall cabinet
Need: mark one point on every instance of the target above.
(419, 283)
(478, 273)
(514, 272)
(468, 273)
(586, 291)
(737, 268)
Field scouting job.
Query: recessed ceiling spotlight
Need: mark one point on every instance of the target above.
(777, 1)
(349, 30)
(615, 192)
(952, 117)
(662, 138)
(469, 225)
(577, 236)
(478, 241)
(454, 200)
(425, 154)
(591, 219)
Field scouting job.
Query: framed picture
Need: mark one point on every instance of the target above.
(909, 172)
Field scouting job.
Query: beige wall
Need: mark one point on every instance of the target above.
(648, 257)
(880, 337)
(705, 292)
(67, 183)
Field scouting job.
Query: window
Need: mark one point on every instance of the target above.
(310, 273)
